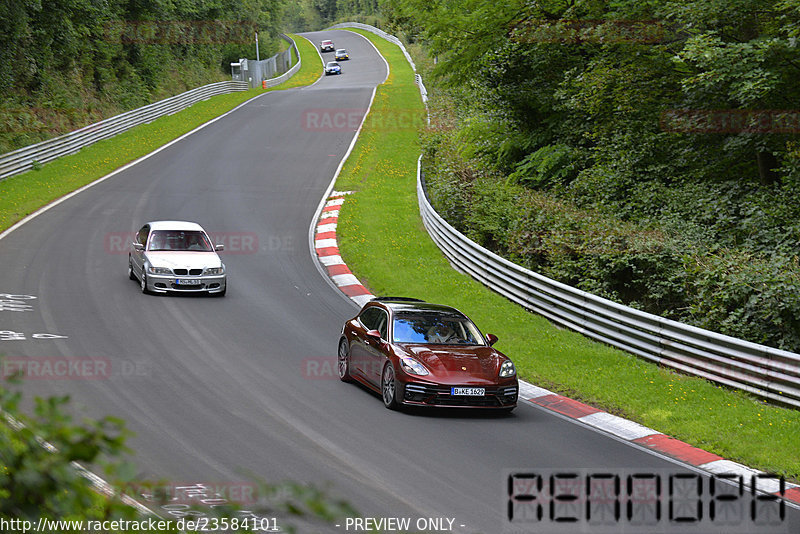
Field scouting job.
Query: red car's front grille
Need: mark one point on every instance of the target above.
(440, 396)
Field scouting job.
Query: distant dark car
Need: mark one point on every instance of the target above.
(332, 68)
(419, 354)
(326, 46)
(341, 55)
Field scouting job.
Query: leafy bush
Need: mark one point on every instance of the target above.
(712, 261)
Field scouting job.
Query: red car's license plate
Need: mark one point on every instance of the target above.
(470, 392)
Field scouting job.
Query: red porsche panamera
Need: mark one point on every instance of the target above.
(420, 354)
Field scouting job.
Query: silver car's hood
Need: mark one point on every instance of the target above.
(183, 259)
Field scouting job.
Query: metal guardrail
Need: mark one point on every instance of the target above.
(24, 159)
(381, 33)
(764, 371)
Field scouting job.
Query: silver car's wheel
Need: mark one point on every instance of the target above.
(130, 269)
(388, 389)
(343, 366)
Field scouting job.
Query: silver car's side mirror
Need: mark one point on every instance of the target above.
(138, 246)
(219, 248)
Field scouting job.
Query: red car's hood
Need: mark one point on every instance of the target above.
(457, 364)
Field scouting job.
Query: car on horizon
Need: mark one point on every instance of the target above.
(332, 67)
(176, 256)
(341, 55)
(414, 353)
(326, 46)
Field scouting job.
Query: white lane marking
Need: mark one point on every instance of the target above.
(362, 299)
(319, 214)
(124, 168)
(333, 259)
(617, 425)
(10, 335)
(14, 305)
(345, 280)
(726, 467)
(330, 227)
(529, 391)
(325, 243)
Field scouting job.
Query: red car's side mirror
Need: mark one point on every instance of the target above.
(491, 338)
(374, 334)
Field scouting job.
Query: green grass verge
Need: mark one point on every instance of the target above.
(25, 193)
(389, 250)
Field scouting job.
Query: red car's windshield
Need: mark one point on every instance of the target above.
(435, 328)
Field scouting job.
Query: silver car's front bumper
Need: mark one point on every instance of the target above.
(162, 283)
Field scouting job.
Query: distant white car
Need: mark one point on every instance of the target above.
(332, 68)
(176, 256)
(326, 46)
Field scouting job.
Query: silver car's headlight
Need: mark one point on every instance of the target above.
(413, 367)
(507, 369)
(158, 270)
(214, 270)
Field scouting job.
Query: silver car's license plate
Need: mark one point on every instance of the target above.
(470, 392)
(187, 282)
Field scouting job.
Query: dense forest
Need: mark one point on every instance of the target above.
(67, 63)
(645, 151)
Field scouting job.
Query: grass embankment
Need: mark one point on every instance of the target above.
(25, 193)
(389, 249)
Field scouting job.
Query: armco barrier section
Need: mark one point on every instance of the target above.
(26, 158)
(379, 32)
(764, 371)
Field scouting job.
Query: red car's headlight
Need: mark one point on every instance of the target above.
(507, 369)
(413, 367)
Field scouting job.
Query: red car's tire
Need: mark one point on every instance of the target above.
(343, 361)
(389, 387)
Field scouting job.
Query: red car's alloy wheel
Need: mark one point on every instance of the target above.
(343, 366)
(388, 389)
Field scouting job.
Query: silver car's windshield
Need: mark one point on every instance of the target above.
(435, 328)
(183, 240)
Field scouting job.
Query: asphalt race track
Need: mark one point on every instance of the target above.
(216, 389)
